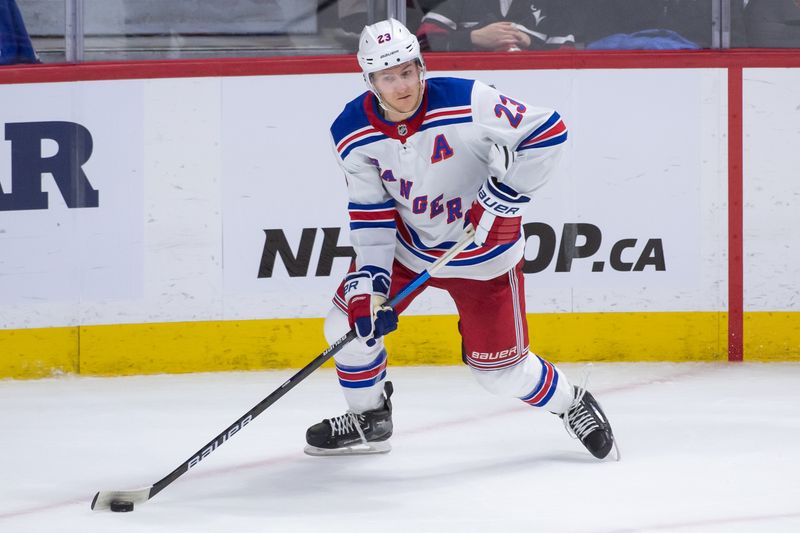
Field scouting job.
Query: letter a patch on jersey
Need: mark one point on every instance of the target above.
(441, 149)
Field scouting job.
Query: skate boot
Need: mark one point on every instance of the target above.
(586, 421)
(353, 433)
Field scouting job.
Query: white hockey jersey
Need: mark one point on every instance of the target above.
(410, 183)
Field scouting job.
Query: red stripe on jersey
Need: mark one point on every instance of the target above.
(557, 129)
(387, 214)
(437, 114)
(353, 137)
(405, 234)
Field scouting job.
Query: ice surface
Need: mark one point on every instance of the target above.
(705, 448)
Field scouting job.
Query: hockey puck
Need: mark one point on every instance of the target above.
(121, 506)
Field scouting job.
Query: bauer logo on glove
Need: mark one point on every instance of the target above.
(496, 214)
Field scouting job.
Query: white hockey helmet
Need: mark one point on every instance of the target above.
(387, 44)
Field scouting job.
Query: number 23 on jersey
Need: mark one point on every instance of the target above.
(514, 117)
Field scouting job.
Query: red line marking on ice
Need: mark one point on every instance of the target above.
(527, 408)
(46, 507)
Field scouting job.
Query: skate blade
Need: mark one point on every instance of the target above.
(615, 452)
(358, 449)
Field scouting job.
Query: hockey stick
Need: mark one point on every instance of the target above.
(123, 500)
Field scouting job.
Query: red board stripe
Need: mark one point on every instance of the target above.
(331, 64)
(735, 217)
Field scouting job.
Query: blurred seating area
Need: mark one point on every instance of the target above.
(772, 23)
(118, 30)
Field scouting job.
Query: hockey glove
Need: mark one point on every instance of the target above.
(496, 214)
(365, 294)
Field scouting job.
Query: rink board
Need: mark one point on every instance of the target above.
(421, 340)
(198, 177)
(272, 344)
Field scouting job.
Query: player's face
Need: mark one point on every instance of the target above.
(399, 86)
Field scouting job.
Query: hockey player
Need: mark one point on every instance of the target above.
(423, 158)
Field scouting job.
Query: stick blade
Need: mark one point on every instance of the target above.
(102, 500)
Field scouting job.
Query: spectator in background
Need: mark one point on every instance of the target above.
(501, 25)
(651, 24)
(353, 18)
(773, 23)
(15, 44)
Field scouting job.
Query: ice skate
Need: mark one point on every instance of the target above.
(354, 433)
(586, 421)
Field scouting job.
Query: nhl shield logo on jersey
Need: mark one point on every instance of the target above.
(402, 129)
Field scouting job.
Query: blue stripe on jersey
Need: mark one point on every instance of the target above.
(449, 92)
(362, 142)
(352, 118)
(416, 240)
(555, 117)
(370, 207)
(558, 139)
(444, 246)
(372, 225)
(458, 262)
(551, 122)
(445, 122)
(382, 215)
